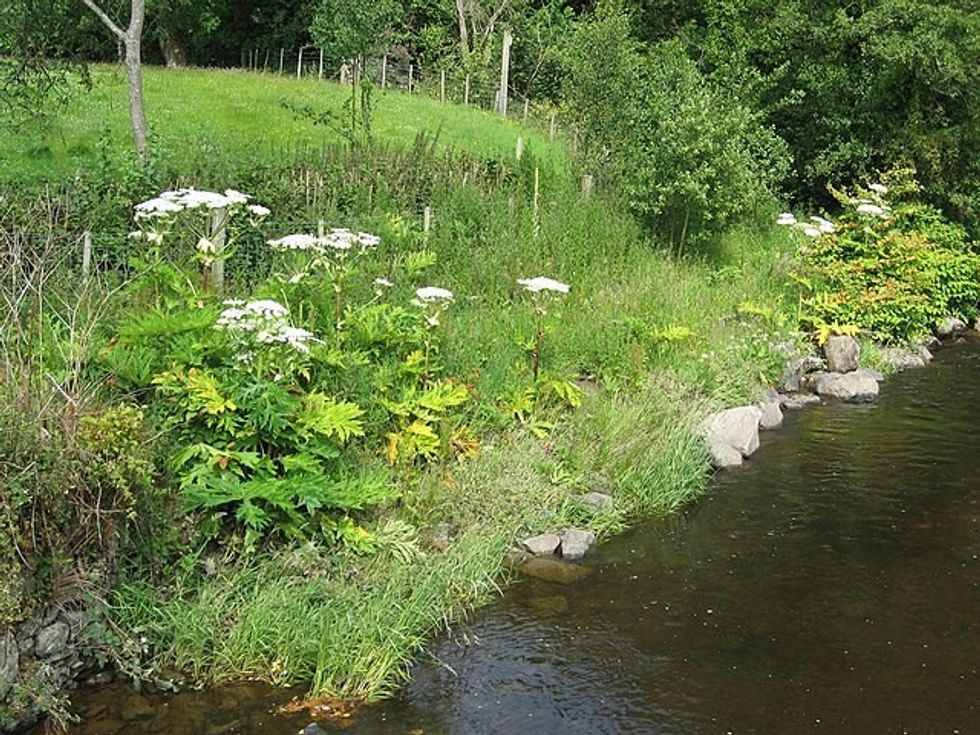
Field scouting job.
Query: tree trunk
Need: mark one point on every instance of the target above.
(130, 39)
(464, 39)
(173, 51)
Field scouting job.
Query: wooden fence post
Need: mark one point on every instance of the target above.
(299, 63)
(442, 86)
(265, 64)
(219, 219)
(319, 75)
(86, 255)
(526, 103)
(282, 59)
(505, 72)
(384, 70)
(519, 149)
(411, 69)
(466, 91)
(426, 219)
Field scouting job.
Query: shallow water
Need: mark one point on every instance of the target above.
(830, 585)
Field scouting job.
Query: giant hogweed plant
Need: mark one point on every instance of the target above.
(889, 266)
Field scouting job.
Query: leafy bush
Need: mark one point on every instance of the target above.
(690, 160)
(891, 269)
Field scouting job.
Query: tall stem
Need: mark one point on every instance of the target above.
(538, 338)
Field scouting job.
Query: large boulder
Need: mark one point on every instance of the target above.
(543, 544)
(842, 353)
(950, 327)
(575, 543)
(858, 386)
(737, 428)
(772, 413)
(905, 358)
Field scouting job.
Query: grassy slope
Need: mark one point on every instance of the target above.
(665, 337)
(228, 113)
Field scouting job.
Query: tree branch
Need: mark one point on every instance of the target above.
(116, 30)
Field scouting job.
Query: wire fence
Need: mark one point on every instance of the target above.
(397, 72)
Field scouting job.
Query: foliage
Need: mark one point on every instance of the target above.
(893, 270)
(351, 29)
(689, 159)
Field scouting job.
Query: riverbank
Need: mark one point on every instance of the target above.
(485, 344)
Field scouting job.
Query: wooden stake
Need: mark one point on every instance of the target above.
(299, 63)
(466, 91)
(86, 255)
(219, 218)
(320, 73)
(384, 71)
(411, 70)
(505, 72)
(282, 59)
(519, 149)
(526, 102)
(426, 219)
(442, 86)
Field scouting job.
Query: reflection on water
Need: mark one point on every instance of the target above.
(831, 585)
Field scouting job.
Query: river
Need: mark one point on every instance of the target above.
(830, 585)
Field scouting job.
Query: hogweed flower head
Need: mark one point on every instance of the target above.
(539, 284)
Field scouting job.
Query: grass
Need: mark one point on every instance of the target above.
(656, 339)
(223, 113)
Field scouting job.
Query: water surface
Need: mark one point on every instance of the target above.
(831, 585)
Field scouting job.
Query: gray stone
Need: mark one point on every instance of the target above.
(772, 415)
(575, 543)
(950, 327)
(798, 400)
(552, 569)
(52, 641)
(312, 729)
(842, 353)
(858, 386)
(9, 663)
(735, 427)
(542, 544)
(515, 557)
(724, 456)
(932, 343)
(792, 375)
(594, 501)
(812, 364)
(901, 358)
(923, 352)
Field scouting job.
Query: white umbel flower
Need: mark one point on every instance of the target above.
(536, 285)
(432, 294)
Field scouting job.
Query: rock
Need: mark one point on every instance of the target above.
(798, 400)
(842, 353)
(792, 375)
(901, 358)
(52, 641)
(735, 427)
(575, 542)
(859, 386)
(514, 557)
(551, 569)
(976, 325)
(812, 364)
(772, 415)
(313, 729)
(542, 544)
(9, 663)
(950, 327)
(724, 456)
(594, 501)
(932, 343)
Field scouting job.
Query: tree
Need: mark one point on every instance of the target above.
(131, 39)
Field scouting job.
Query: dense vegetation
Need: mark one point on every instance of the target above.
(300, 393)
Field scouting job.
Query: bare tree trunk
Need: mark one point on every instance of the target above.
(174, 55)
(464, 36)
(131, 39)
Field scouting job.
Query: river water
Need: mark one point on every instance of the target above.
(830, 585)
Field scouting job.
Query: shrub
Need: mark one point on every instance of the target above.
(892, 269)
